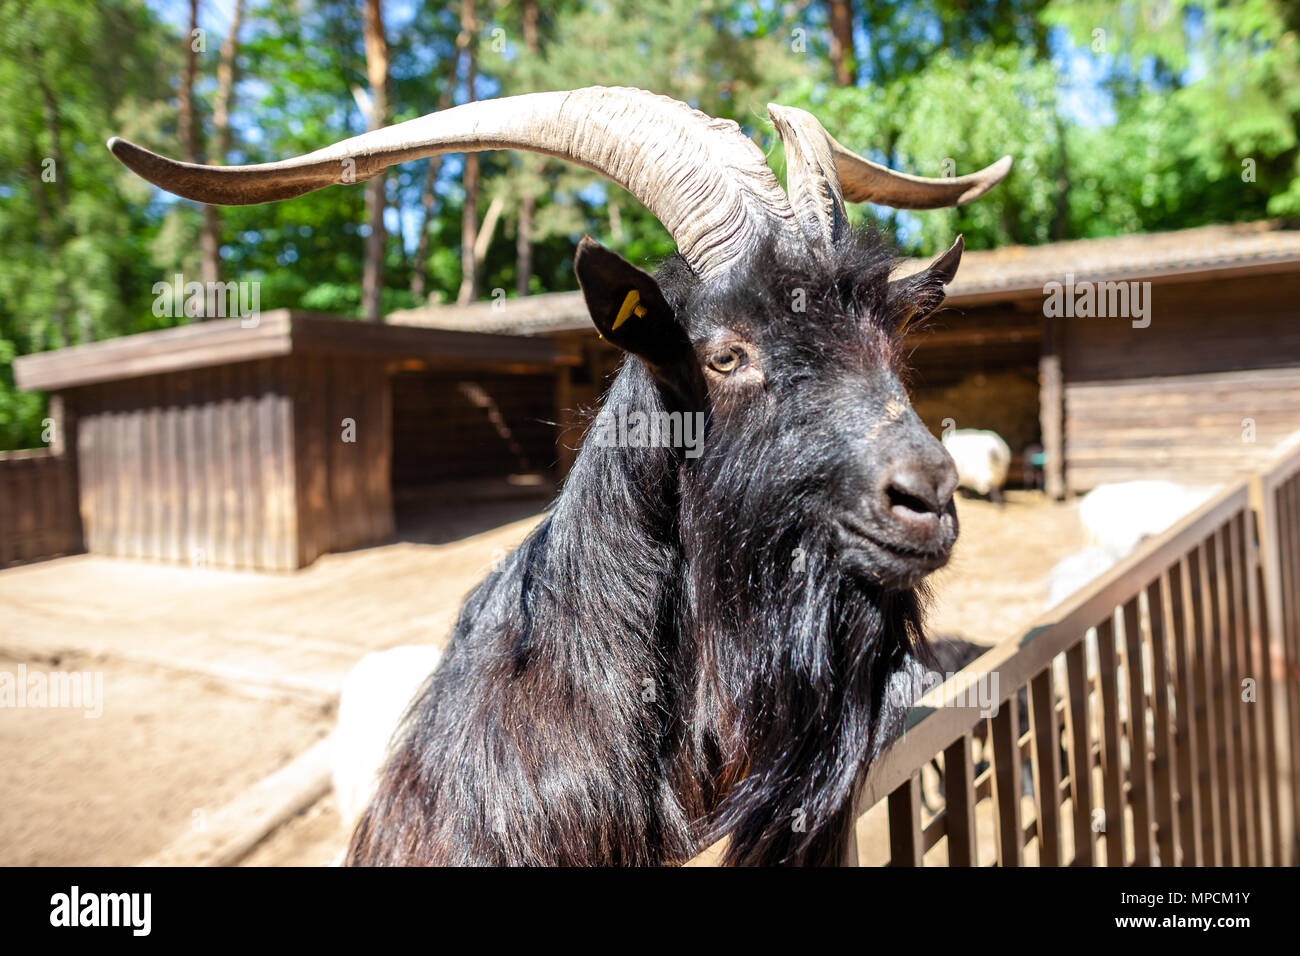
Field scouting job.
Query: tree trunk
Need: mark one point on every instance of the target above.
(226, 86)
(427, 198)
(528, 206)
(469, 215)
(210, 242)
(186, 122)
(842, 41)
(188, 128)
(1061, 223)
(372, 281)
(54, 127)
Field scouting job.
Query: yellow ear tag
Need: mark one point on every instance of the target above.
(631, 306)
(902, 326)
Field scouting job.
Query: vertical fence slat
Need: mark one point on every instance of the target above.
(1261, 637)
(1186, 733)
(1224, 711)
(1139, 748)
(1291, 641)
(1079, 731)
(1006, 782)
(1047, 767)
(1250, 821)
(1211, 825)
(1233, 674)
(1111, 766)
(905, 823)
(1166, 754)
(959, 802)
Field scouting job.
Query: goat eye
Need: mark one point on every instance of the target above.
(727, 360)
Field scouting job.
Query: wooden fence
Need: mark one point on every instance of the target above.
(38, 506)
(1162, 710)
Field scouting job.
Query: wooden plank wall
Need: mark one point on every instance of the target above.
(1185, 428)
(193, 467)
(343, 482)
(38, 506)
(1177, 400)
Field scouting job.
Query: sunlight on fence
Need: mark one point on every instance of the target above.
(1143, 721)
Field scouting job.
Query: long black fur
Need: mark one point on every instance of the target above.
(680, 650)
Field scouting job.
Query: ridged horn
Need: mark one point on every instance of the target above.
(706, 181)
(821, 175)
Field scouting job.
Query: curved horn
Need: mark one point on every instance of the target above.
(706, 181)
(822, 174)
(810, 174)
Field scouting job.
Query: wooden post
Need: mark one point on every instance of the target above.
(565, 439)
(1079, 731)
(905, 847)
(1006, 783)
(1112, 767)
(1051, 412)
(1046, 761)
(959, 802)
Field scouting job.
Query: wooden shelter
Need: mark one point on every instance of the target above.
(266, 446)
(226, 445)
(1201, 392)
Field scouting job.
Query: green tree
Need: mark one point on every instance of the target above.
(77, 232)
(723, 58)
(1207, 102)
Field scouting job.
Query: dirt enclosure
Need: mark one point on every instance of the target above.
(212, 680)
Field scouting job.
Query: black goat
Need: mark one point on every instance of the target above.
(686, 647)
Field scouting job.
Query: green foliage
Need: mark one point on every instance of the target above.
(1206, 94)
(713, 54)
(924, 124)
(77, 234)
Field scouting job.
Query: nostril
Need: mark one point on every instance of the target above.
(898, 498)
(911, 492)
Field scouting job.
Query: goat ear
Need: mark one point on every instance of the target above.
(918, 296)
(627, 307)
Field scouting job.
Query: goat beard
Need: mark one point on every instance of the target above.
(801, 661)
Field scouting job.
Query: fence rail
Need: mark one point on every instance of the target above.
(39, 513)
(1154, 710)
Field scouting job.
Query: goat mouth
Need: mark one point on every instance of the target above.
(856, 535)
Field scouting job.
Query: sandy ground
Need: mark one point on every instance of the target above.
(996, 582)
(110, 789)
(211, 679)
(214, 679)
